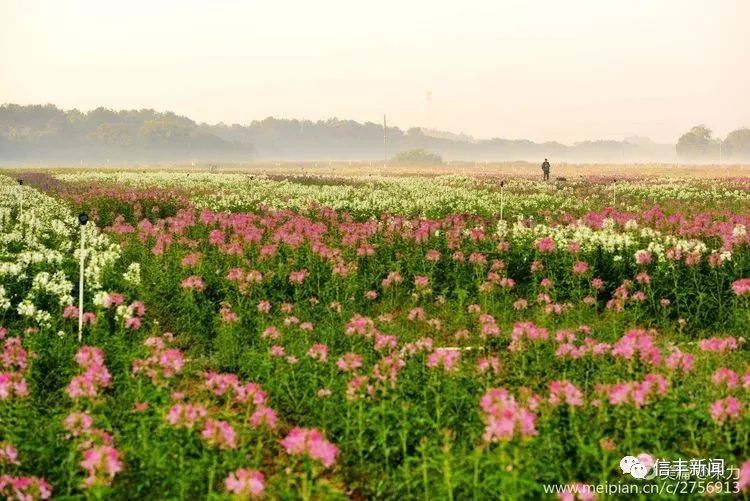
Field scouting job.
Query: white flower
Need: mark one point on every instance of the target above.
(133, 274)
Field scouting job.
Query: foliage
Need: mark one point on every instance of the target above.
(417, 157)
(312, 353)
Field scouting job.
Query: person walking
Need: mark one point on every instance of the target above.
(545, 169)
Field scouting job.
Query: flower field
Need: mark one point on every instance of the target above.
(368, 337)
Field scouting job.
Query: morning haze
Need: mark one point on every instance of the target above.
(538, 70)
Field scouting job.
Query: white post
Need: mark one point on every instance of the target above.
(83, 218)
(502, 200)
(20, 200)
(614, 193)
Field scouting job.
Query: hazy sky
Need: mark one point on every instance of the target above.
(543, 70)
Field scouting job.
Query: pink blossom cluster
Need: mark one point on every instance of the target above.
(741, 287)
(8, 454)
(219, 434)
(231, 389)
(564, 392)
(245, 483)
(14, 364)
(162, 362)
(718, 344)
(193, 283)
(95, 376)
(444, 358)
(504, 416)
(24, 488)
(566, 339)
(678, 360)
(311, 443)
(727, 409)
(526, 330)
(360, 325)
(71, 311)
(101, 460)
(101, 463)
(134, 315)
(636, 393)
(638, 342)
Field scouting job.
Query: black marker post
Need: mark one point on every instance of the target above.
(83, 218)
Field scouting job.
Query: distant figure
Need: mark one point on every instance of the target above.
(545, 169)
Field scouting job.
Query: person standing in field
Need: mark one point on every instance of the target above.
(545, 169)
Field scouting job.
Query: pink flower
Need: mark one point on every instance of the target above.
(297, 277)
(393, 277)
(190, 259)
(445, 358)
(718, 344)
(679, 360)
(385, 342)
(24, 488)
(101, 463)
(264, 416)
(421, 282)
(433, 255)
(318, 352)
(564, 391)
(579, 491)
(194, 283)
(78, 423)
(520, 304)
(504, 417)
(488, 364)
(133, 323)
(185, 415)
(12, 383)
(88, 356)
(8, 454)
(349, 362)
(526, 330)
(277, 351)
(113, 299)
(88, 384)
(643, 257)
(741, 287)
(743, 482)
(726, 376)
(580, 267)
(245, 483)
(646, 460)
(545, 245)
(218, 433)
(726, 409)
(310, 442)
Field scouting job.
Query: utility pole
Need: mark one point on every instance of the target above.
(385, 142)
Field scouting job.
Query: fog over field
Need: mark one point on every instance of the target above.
(497, 81)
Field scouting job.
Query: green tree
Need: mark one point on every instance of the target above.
(698, 143)
(417, 157)
(737, 144)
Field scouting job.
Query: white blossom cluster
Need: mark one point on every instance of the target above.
(629, 239)
(38, 243)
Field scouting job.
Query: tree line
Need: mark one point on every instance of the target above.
(699, 144)
(46, 133)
